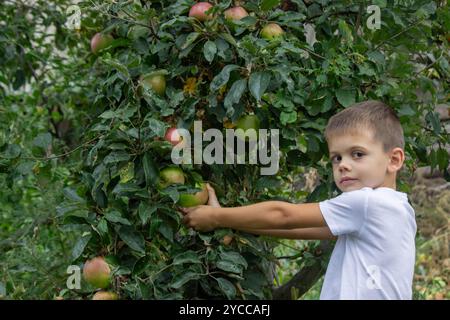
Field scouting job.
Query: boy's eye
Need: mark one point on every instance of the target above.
(358, 154)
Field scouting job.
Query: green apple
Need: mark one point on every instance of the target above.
(171, 175)
(271, 31)
(191, 200)
(105, 295)
(245, 123)
(156, 81)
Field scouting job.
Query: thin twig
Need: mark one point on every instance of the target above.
(398, 33)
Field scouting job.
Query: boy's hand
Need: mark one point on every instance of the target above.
(200, 218)
(212, 198)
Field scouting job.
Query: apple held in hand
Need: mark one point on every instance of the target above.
(191, 200)
(100, 41)
(272, 31)
(198, 11)
(97, 272)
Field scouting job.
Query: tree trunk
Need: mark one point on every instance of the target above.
(305, 278)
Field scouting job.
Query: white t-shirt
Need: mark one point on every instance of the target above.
(375, 251)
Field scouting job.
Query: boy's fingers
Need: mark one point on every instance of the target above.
(184, 211)
(210, 189)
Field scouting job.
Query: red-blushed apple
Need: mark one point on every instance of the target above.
(97, 272)
(272, 31)
(191, 200)
(173, 136)
(235, 13)
(100, 41)
(198, 11)
(171, 175)
(105, 295)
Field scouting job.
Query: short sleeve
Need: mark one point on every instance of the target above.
(347, 212)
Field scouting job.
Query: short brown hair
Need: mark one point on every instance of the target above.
(369, 115)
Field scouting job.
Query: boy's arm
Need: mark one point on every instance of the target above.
(323, 233)
(263, 215)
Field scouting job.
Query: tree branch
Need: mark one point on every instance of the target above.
(305, 278)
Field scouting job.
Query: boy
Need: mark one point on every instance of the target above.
(374, 224)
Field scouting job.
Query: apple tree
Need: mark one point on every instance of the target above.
(147, 69)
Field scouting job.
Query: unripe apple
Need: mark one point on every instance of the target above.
(173, 136)
(97, 272)
(191, 200)
(156, 81)
(100, 41)
(226, 240)
(105, 295)
(271, 31)
(235, 13)
(245, 123)
(198, 11)
(171, 175)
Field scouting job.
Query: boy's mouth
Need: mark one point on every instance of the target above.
(347, 181)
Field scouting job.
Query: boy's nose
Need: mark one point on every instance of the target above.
(344, 166)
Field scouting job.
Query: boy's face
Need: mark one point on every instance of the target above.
(359, 158)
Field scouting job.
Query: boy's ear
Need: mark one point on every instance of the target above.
(396, 159)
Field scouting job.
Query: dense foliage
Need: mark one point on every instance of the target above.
(85, 128)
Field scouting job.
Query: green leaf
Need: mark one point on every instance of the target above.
(128, 187)
(234, 95)
(43, 140)
(116, 156)
(258, 83)
(229, 38)
(117, 65)
(167, 231)
(222, 78)
(132, 238)
(267, 5)
(442, 159)
(2, 290)
(116, 217)
(234, 257)
(288, 117)
(146, 211)
(190, 39)
(158, 127)
(227, 287)
(209, 50)
(80, 245)
(229, 266)
(346, 97)
(150, 170)
(433, 119)
(183, 278)
(186, 257)
(72, 195)
(12, 151)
